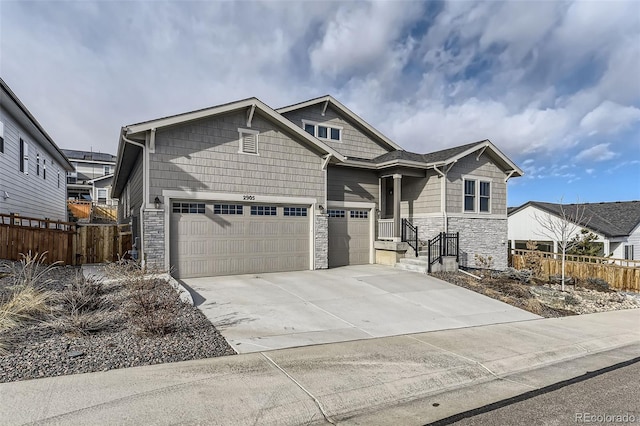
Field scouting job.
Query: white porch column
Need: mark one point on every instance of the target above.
(397, 223)
(607, 247)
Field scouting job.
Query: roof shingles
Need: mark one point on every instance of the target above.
(614, 219)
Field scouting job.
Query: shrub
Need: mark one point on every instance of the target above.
(83, 295)
(483, 262)
(571, 300)
(533, 259)
(155, 305)
(82, 323)
(598, 284)
(32, 270)
(521, 275)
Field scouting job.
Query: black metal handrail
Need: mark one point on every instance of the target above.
(444, 244)
(409, 234)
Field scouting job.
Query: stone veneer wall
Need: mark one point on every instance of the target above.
(321, 260)
(481, 236)
(153, 237)
(428, 227)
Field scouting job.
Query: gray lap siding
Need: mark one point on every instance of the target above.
(30, 194)
(355, 143)
(203, 156)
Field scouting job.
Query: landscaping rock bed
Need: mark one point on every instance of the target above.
(545, 298)
(48, 346)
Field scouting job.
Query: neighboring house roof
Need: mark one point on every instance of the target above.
(20, 111)
(330, 100)
(613, 219)
(73, 154)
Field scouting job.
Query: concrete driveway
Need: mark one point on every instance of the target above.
(281, 310)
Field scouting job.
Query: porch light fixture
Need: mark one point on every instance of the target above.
(321, 207)
(156, 202)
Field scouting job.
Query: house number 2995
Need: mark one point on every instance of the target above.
(249, 197)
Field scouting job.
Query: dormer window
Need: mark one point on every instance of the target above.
(324, 131)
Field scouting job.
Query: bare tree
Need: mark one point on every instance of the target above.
(561, 226)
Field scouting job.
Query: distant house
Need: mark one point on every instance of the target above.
(92, 177)
(244, 188)
(616, 224)
(32, 167)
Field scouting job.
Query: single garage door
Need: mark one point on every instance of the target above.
(349, 237)
(217, 238)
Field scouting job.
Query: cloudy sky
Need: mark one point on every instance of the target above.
(555, 85)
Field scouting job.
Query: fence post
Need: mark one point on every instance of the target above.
(429, 256)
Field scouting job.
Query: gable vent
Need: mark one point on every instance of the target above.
(248, 141)
(250, 144)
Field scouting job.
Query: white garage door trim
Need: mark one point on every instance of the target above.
(372, 219)
(170, 195)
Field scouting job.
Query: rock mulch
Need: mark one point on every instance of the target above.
(40, 349)
(544, 298)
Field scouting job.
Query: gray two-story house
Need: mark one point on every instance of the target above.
(244, 188)
(92, 178)
(32, 168)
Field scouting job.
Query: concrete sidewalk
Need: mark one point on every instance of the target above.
(390, 380)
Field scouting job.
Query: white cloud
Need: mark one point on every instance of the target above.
(609, 117)
(596, 153)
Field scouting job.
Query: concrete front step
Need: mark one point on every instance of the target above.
(414, 264)
(412, 268)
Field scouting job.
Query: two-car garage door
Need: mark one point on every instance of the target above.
(216, 238)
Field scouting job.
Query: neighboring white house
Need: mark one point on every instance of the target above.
(616, 224)
(33, 169)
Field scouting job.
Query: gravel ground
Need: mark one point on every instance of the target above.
(545, 299)
(40, 349)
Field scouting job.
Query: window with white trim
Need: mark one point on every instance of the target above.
(102, 195)
(359, 214)
(37, 164)
(295, 211)
(248, 140)
(325, 131)
(628, 252)
(107, 170)
(336, 213)
(263, 211)
(477, 196)
(24, 157)
(44, 169)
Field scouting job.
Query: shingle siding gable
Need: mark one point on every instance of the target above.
(355, 143)
(203, 156)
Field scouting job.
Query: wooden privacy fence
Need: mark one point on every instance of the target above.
(611, 270)
(66, 242)
(22, 234)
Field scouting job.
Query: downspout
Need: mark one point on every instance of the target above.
(145, 191)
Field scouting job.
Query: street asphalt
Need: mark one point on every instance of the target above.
(410, 379)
